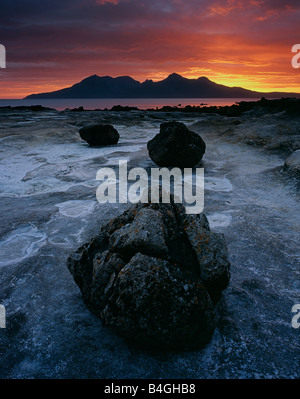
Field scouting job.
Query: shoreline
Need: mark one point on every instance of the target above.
(289, 104)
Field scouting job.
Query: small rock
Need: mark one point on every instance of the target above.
(98, 135)
(175, 145)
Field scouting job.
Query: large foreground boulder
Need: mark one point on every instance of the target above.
(175, 145)
(98, 135)
(153, 275)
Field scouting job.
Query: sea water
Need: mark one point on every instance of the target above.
(141, 103)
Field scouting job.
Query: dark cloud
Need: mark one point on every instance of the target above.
(281, 4)
(138, 37)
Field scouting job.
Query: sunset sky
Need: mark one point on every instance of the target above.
(54, 44)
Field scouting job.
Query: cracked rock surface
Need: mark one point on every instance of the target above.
(153, 275)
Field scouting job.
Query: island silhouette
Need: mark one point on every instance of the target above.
(174, 86)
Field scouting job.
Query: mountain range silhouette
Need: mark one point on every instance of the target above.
(174, 86)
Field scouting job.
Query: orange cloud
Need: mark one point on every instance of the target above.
(236, 42)
(225, 9)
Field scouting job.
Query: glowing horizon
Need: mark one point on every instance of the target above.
(239, 43)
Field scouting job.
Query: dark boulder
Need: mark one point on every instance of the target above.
(98, 135)
(175, 145)
(154, 274)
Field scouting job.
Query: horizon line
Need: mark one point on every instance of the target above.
(271, 91)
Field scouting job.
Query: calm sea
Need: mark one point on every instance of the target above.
(142, 103)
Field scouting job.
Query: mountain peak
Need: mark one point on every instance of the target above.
(174, 76)
(203, 78)
(92, 77)
(89, 79)
(125, 78)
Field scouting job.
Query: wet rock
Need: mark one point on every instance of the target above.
(154, 274)
(119, 108)
(145, 234)
(211, 252)
(293, 162)
(79, 109)
(98, 135)
(151, 303)
(176, 145)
